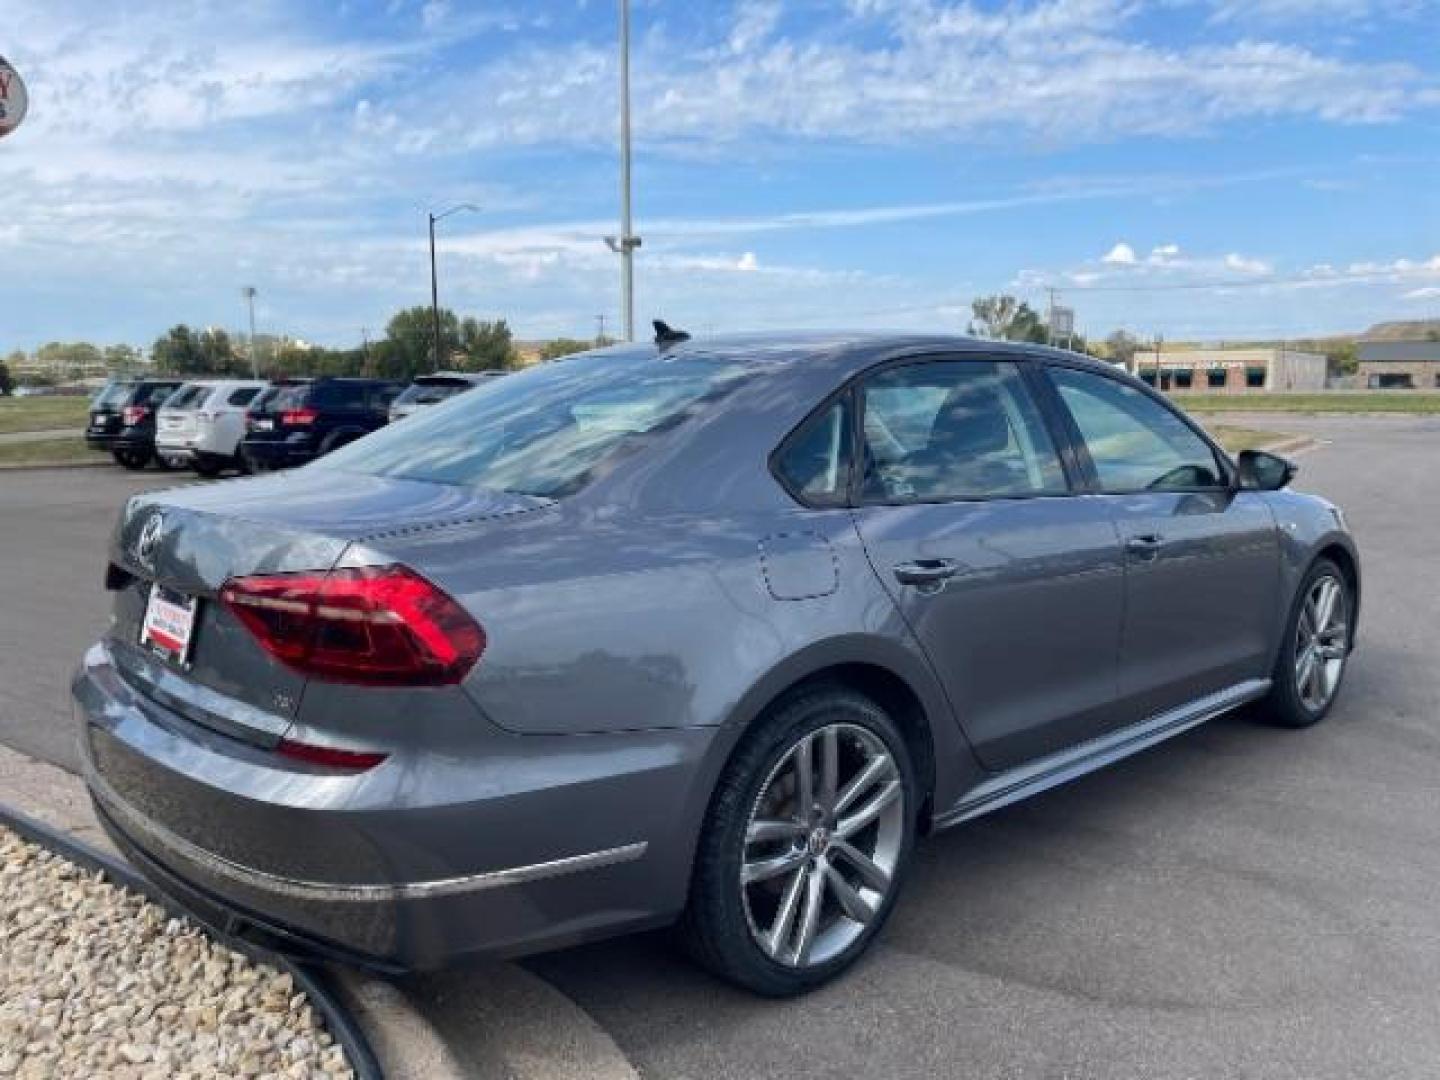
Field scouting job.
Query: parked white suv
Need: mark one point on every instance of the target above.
(432, 389)
(202, 423)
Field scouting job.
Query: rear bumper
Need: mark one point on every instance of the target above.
(411, 866)
(277, 453)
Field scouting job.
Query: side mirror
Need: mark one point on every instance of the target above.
(1260, 471)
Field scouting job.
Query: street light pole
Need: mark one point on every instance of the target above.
(434, 283)
(625, 244)
(249, 293)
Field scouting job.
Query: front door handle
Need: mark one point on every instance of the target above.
(1145, 546)
(925, 571)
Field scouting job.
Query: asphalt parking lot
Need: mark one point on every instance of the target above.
(1241, 902)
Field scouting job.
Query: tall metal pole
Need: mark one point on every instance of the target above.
(249, 292)
(627, 248)
(434, 301)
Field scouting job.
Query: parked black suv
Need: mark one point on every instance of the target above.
(122, 419)
(307, 420)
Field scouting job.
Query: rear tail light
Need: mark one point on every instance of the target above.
(299, 417)
(372, 625)
(134, 414)
(329, 757)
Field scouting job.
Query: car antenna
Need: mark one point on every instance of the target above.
(665, 334)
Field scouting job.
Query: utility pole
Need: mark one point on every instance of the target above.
(249, 293)
(600, 329)
(1050, 319)
(625, 244)
(365, 346)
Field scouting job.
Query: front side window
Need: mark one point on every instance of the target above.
(951, 430)
(814, 463)
(1136, 443)
(545, 431)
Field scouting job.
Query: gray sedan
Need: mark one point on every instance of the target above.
(696, 633)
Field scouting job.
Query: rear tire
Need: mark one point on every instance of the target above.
(1310, 667)
(208, 467)
(786, 896)
(134, 460)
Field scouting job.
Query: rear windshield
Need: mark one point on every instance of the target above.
(429, 393)
(545, 431)
(112, 395)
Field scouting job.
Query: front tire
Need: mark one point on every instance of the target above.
(1314, 652)
(805, 844)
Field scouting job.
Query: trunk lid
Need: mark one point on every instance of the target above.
(290, 522)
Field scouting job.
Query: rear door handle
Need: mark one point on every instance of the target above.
(1145, 546)
(925, 571)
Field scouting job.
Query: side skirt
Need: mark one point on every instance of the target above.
(1044, 773)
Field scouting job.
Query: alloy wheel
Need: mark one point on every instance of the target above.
(822, 844)
(1321, 642)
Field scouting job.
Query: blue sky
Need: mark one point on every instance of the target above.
(1200, 168)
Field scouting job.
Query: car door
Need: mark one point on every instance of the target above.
(1202, 560)
(1013, 586)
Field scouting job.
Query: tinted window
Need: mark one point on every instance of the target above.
(338, 395)
(113, 396)
(545, 431)
(1136, 443)
(187, 397)
(956, 430)
(430, 393)
(814, 463)
(242, 397)
(155, 393)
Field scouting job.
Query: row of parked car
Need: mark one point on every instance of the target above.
(211, 425)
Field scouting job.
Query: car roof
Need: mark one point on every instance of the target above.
(839, 348)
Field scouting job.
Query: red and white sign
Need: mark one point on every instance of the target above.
(13, 98)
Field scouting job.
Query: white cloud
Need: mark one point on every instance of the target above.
(1243, 264)
(1121, 254)
(1430, 292)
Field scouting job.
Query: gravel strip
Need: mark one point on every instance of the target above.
(98, 981)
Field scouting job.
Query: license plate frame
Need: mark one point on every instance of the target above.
(168, 627)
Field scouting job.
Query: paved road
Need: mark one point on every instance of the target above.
(54, 527)
(1241, 902)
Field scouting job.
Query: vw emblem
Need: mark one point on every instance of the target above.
(149, 540)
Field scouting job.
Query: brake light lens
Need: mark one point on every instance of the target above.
(299, 417)
(371, 625)
(134, 414)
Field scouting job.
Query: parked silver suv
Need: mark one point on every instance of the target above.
(696, 631)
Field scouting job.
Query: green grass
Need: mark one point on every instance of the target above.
(42, 413)
(50, 452)
(1333, 401)
(1235, 439)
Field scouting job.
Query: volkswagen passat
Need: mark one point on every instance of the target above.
(696, 632)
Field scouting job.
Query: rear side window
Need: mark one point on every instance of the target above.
(187, 397)
(1136, 443)
(953, 430)
(546, 431)
(814, 462)
(242, 397)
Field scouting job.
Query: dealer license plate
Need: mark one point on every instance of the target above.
(169, 624)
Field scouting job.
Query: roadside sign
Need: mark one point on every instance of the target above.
(13, 98)
(1062, 322)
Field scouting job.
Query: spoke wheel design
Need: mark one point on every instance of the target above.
(822, 844)
(1322, 641)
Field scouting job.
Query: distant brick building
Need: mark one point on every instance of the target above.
(1400, 365)
(1233, 371)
